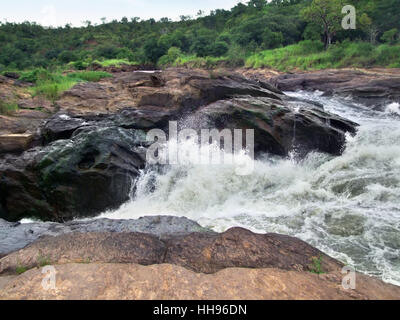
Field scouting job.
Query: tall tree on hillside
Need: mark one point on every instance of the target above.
(327, 13)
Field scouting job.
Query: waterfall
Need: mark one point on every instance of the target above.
(347, 206)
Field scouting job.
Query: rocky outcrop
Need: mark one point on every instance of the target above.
(278, 128)
(170, 282)
(203, 252)
(10, 143)
(31, 112)
(88, 154)
(374, 89)
(82, 176)
(173, 258)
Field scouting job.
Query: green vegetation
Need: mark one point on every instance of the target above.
(52, 90)
(91, 76)
(311, 55)
(20, 270)
(51, 84)
(316, 266)
(7, 108)
(245, 34)
(43, 261)
(113, 62)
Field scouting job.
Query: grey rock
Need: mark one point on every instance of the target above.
(15, 236)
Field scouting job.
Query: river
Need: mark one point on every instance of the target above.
(347, 206)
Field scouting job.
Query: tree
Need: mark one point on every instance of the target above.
(153, 50)
(327, 13)
(390, 36)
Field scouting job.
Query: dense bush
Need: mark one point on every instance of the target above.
(36, 75)
(311, 55)
(242, 33)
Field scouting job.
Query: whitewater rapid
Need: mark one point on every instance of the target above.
(347, 206)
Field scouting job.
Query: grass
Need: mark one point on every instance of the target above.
(52, 85)
(8, 108)
(20, 270)
(316, 266)
(52, 90)
(192, 61)
(43, 261)
(114, 62)
(91, 76)
(310, 55)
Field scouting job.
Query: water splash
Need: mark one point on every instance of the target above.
(393, 108)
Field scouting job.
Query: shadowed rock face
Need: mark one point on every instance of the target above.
(91, 151)
(278, 130)
(85, 175)
(169, 282)
(204, 252)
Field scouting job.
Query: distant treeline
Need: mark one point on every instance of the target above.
(237, 34)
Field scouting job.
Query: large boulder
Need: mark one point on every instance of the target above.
(280, 127)
(82, 176)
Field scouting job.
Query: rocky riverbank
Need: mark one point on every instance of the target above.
(83, 159)
(174, 258)
(371, 87)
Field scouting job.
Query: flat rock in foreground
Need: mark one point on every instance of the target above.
(169, 282)
(204, 252)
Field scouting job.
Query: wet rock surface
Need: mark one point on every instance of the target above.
(82, 176)
(278, 130)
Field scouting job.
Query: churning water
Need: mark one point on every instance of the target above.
(347, 206)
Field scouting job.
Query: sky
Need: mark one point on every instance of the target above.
(60, 12)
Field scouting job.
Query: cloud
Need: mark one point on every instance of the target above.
(49, 15)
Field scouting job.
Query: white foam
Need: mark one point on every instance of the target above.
(393, 108)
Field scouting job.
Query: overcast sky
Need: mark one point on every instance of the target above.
(59, 13)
